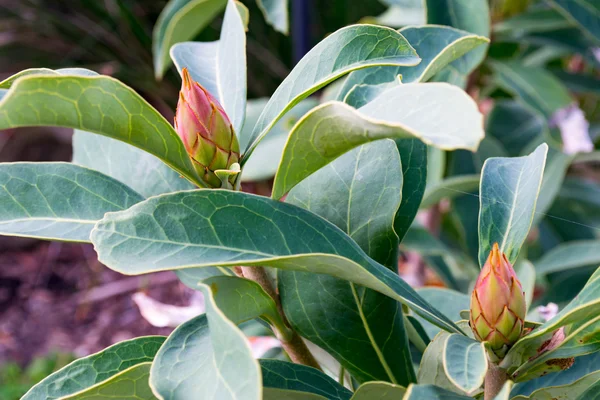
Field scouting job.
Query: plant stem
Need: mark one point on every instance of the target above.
(295, 346)
(494, 380)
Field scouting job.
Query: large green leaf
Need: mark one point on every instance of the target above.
(468, 15)
(379, 391)
(58, 201)
(436, 45)
(348, 49)
(534, 86)
(569, 255)
(431, 369)
(276, 14)
(556, 168)
(431, 392)
(465, 362)
(130, 384)
(359, 193)
(220, 66)
(585, 13)
(179, 21)
(285, 375)
(568, 391)
(328, 131)
(136, 168)
(207, 357)
(585, 307)
(89, 371)
(508, 196)
(514, 125)
(98, 104)
(575, 378)
(224, 228)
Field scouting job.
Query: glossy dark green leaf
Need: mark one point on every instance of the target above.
(585, 13)
(179, 21)
(348, 49)
(89, 371)
(359, 193)
(97, 104)
(514, 125)
(436, 45)
(59, 201)
(130, 384)
(453, 122)
(220, 228)
(285, 375)
(535, 87)
(508, 196)
(207, 357)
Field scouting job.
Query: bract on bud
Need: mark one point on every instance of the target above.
(498, 304)
(205, 130)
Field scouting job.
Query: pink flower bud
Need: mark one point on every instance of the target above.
(498, 304)
(205, 130)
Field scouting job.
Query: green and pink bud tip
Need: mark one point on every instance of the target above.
(206, 132)
(498, 304)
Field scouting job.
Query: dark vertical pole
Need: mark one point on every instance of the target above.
(301, 28)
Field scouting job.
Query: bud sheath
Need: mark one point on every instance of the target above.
(205, 130)
(498, 304)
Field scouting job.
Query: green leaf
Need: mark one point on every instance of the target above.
(582, 367)
(98, 104)
(130, 384)
(526, 273)
(585, 13)
(465, 362)
(514, 125)
(220, 67)
(453, 122)
(265, 160)
(136, 168)
(179, 21)
(242, 299)
(508, 196)
(413, 154)
(57, 201)
(592, 393)
(448, 302)
(205, 228)
(348, 49)
(437, 46)
(569, 255)
(585, 307)
(556, 168)
(450, 188)
(431, 370)
(379, 391)
(282, 394)
(568, 391)
(207, 357)
(359, 193)
(276, 14)
(431, 392)
(91, 370)
(285, 375)
(537, 19)
(534, 86)
(468, 15)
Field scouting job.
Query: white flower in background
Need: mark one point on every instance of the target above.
(574, 130)
(596, 52)
(548, 311)
(164, 315)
